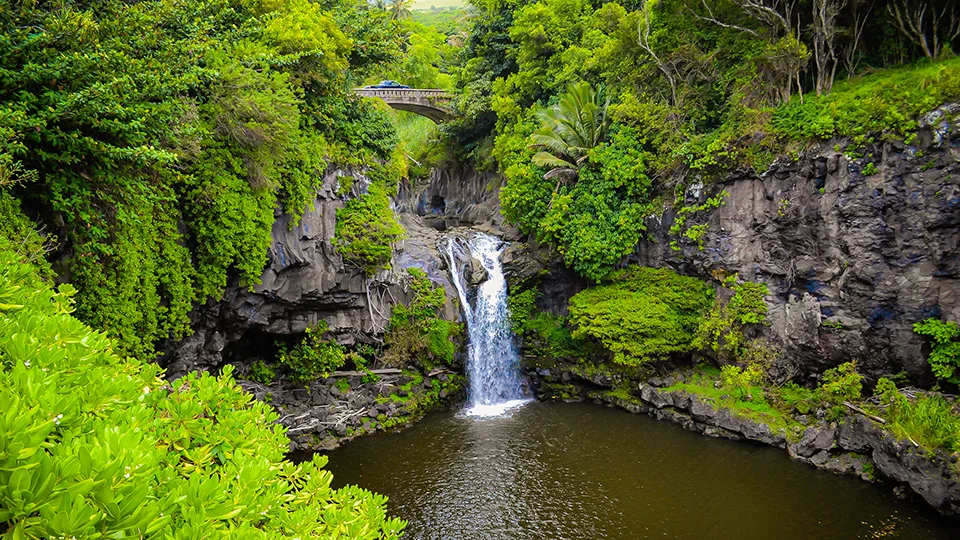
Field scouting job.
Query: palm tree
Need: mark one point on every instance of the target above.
(400, 8)
(569, 130)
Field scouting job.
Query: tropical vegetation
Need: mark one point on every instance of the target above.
(695, 88)
(96, 445)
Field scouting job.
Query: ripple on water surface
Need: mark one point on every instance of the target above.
(576, 471)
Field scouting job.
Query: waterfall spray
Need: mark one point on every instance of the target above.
(493, 365)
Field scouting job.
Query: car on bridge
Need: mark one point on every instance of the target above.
(388, 84)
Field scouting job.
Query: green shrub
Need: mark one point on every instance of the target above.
(521, 305)
(797, 398)
(837, 385)
(416, 331)
(261, 373)
(721, 330)
(742, 381)
(944, 356)
(886, 390)
(641, 314)
(94, 445)
(313, 357)
(367, 229)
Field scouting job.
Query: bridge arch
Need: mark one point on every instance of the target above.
(434, 104)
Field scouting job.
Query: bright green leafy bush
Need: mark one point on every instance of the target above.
(641, 314)
(262, 373)
(722, 329)
(94, 445)
(366, 230)
(313, 357)
(838, 385)
(416, 331)
(742, 381)
(944, 356)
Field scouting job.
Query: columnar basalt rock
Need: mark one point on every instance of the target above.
(851, 260)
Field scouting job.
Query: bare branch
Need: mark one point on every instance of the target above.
(712, 19)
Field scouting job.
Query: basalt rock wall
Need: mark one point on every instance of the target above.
(306, 281)
(855, 246)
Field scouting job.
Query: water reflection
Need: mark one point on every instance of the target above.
(568, 471)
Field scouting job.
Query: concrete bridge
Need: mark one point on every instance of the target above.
(434, 104)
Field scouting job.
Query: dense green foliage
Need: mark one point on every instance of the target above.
(545, 335)
(887, 101)
(157, 138)
(312, 358)
(929, 421)
(416, 332)
(722, 329)
(93, 445)
(642, 314)
(261, 372)
(696, 89)
(366, 230)
(945, 348)
(595, 221)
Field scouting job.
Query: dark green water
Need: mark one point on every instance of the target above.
(578, 471)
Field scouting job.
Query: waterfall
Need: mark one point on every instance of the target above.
(493, 365)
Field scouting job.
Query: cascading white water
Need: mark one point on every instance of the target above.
(493, 365)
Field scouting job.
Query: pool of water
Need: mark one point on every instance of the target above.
(579, 471)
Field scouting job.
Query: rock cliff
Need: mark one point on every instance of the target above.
(304, 281)
(854, 247)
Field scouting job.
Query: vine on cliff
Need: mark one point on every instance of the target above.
(160, 157)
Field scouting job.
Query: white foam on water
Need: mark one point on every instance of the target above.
(495, 409)
(493, 365)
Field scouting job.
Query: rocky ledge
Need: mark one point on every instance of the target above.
(856, 446)
(326, 413)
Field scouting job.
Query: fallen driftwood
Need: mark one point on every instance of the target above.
(362, 373)
(865, 413)
(438, 371)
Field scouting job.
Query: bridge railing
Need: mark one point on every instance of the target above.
(404, 93)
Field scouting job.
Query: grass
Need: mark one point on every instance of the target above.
(416, 132)
(888, 100)
(929, 422)
(759, 408)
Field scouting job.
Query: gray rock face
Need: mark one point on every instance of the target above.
(851, 260)
(455, 196)
(305, 281)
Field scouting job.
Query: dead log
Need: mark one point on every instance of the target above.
(863, 412)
